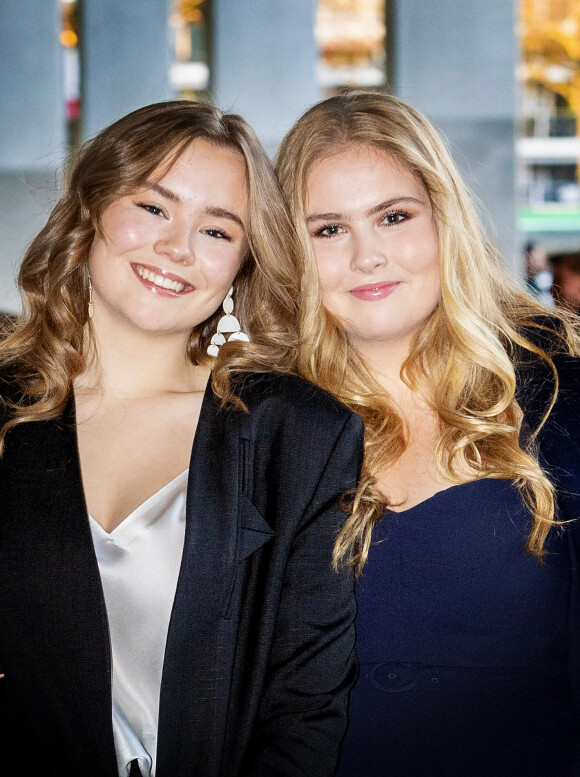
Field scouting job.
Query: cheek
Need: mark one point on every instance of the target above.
(330, 270)
(97, 255)
(124, 231)
(221, 268)
(432, 285)
(422, 255)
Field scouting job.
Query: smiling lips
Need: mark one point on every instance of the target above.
(374, 291)
(160, 281)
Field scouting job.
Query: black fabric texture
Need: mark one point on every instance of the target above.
(260, 651)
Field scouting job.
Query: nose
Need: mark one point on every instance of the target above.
(368, 252)
(176, 243)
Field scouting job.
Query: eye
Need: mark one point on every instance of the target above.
(154, 209)
(331, 230)
(396, 217)
(217, 233)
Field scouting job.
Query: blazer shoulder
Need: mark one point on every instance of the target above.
(559, 435)
(568, 368)
(294, 397)
(566, 411)
(536, 384)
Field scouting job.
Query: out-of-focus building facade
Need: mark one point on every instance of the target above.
(70, 67)
(548, 148)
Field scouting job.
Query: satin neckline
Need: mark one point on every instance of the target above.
(147, 512)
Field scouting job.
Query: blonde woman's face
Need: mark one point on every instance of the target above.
(371, 226)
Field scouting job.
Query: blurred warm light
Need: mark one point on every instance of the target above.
(189, 74)
(351, 38)
(356, 25)
(189, 11)
(68, 38)
(551, 46)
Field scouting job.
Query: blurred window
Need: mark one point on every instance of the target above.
(548, 145)
(70, 43)
(190, 22)
(351, 36)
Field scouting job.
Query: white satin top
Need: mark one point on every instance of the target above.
(139, 564)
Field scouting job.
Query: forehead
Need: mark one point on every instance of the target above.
(201, 175)
(201, 153)
(347, 168)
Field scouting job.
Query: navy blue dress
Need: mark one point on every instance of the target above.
(464, 644)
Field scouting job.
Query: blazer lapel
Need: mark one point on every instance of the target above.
(201, 639)
(47, 541)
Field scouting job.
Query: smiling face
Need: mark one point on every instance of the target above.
(168, 254)
(371, 226)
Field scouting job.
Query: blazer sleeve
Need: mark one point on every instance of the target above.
(302, 715)
(559, 443)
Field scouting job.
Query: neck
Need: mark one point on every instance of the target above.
(385, 360)
(135, 364)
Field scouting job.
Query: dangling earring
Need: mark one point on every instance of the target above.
(227, 323)
(91, 304)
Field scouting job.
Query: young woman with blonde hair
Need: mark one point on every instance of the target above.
(463, 530)
(168, 605)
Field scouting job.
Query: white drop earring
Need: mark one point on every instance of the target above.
(227, 323)
(91, 304)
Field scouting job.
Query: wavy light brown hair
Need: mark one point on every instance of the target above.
(463, 361)
(46, 348)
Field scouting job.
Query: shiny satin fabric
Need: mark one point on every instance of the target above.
(139, 565)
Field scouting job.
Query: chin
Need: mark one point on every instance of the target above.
(154, 325)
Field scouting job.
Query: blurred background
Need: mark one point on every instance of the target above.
(500, 79)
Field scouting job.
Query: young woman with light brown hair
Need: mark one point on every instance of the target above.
(468, 622)
(168, 605)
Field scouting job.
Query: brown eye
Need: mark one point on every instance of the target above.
(154, 209)
(217, 233)
(396, 217)
(329, 231)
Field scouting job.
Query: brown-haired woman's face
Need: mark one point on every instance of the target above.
(169, 252)
(374, 239)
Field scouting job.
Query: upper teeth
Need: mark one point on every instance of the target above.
(159, 280)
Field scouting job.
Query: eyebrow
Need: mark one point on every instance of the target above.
(167, 193)
(371, 212)
(222, 213)
(211, 210)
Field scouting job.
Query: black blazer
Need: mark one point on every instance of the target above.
(259, 657)
(559, 446)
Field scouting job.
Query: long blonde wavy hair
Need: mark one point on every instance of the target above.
(463, 361)
(46, 348)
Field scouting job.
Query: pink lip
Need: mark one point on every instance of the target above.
(374, 291)
(187, 287)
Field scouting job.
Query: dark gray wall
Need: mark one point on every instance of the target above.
(126, 58)
(32, 128)
(32, 112)
(265, 62)
(456, 62)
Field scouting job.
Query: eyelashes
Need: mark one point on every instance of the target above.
(150, 208)
(396, 217)
(217, 233)
(391, 219)
(329, 230)
(155, 210)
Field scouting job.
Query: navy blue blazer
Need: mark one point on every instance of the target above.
(559, 444)
(259, 657)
